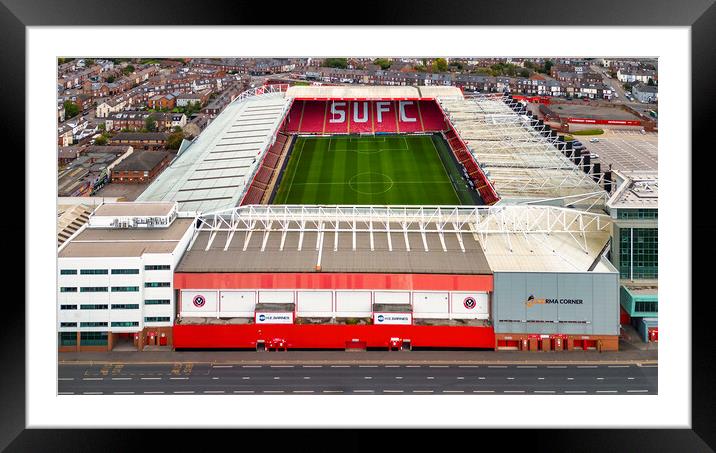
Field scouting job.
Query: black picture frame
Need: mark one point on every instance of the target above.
(700, 15)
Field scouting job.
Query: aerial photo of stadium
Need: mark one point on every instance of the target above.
(362, 217)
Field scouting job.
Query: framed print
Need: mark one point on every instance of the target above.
(447, 219)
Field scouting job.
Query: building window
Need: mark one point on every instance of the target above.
(93, 272)
(125, 306)
(68, 338)
(646, 307)
(68, 271)
(68, 307)
(68, 324)
(125, 323)
(157, 285)
(125, 271)
(156, 267)
(156, 319)
(93, 324)
(68, 289)
(93, 289)
(639, 253)
(93, 306)
(157, 302)
(93, 338)
(125, 289)
(637, 214)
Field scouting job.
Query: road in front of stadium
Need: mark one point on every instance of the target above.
(596, 375)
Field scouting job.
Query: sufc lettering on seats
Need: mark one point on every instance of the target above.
(361, 108)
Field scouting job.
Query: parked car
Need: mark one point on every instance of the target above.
(594, 140)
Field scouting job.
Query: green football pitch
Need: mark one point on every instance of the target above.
(380, 170)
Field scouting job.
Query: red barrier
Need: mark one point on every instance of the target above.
(336, 281)
(533, 99)
(608, 122)
(331, 336)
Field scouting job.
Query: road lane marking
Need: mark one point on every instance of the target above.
(496, 366)
(214, 378)
(65, 393)
(586, 366)
(570, 378)
(460, 377)
(526, 366)
(281, 366)
(243, 391)
(600, 378)
(213, 391)
(398, 377)
(121, 378)
(333, 391)
(422, 391)
(631, 378)
(483, 391)
(66, 379)
(514, 391)
(481, 378)
(575, 391)
(438, 366)
(544, 391)
(637, 391)
(273, 391)
(618, 366)
(561, 366)
(606, 391)
(178, 378)
(245, 377)
(251, 366)
(392, 366)
(222, 366)
(312, 366)
(510, 378)
(150, 378)
(340, 366)
(392, 391)
(185, 391)
(468, 366)
(363, 391)
(303, 391)
(276, 377)
(453, 391)
(123, 393)
(367, 366)
(149, 393)
(412, 366)
(92, 379)
(368, 377)
(430, 377)
(540, 379)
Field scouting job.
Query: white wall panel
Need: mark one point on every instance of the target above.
(353, 303)
(315, 303)
(432, 305)
(188, 308)
(392, 297)
(237, 303)
(461, 303)
(276, 297)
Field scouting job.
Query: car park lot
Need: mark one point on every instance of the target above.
(626, 150)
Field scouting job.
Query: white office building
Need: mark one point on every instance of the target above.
(115, 277)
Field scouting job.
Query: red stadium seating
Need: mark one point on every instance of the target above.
(363, 117)
(363, 113)
(313, 118)
(433, 118)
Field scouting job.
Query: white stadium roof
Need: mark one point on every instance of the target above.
(213, 172)
(521, 164)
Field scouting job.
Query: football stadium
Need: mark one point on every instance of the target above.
(354, 217)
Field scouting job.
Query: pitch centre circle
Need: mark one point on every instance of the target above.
(371, 183)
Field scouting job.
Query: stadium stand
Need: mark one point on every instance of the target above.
(364, 113)
(262, 179)
(487, 192)
(433, 118)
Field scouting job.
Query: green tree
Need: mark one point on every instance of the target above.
(128, 69)
(89, 62)
(101, 140)
(341, 63)
(150, 123)
(384, 63)
(110, 79)
(440, 65)
(102, 127)
(71, 109)
(175, 138)
(651, 82)
(524, 73)
(548, 66)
